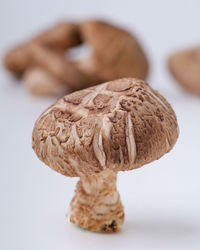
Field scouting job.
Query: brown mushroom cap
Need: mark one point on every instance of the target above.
(185, 67)
(62, 36)
(116, 53)
(120, 125)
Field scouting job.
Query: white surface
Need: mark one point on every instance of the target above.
(162, 201)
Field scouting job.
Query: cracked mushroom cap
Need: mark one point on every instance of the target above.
(119, 125)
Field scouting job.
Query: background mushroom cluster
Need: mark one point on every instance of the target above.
(46, 68)
(156, 41)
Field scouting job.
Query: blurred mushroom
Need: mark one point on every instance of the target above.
(114, 53)
(94, 133)
(185, 68)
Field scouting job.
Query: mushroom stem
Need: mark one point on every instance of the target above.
(96, 205)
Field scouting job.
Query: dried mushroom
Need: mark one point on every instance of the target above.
(96, 132)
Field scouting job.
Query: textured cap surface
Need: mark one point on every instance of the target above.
(120, 125)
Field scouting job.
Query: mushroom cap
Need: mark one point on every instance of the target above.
(118, 125)
(17, 59)
(62, 36)
(185, 67)
(116, 52)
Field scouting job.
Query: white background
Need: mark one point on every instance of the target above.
(162, 200)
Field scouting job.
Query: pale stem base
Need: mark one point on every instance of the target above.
(96, 205)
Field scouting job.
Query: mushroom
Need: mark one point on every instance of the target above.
(114, 53)
(96, 132)
(185, 68)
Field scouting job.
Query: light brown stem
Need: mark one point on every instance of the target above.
(96, 205)
(40, 82)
